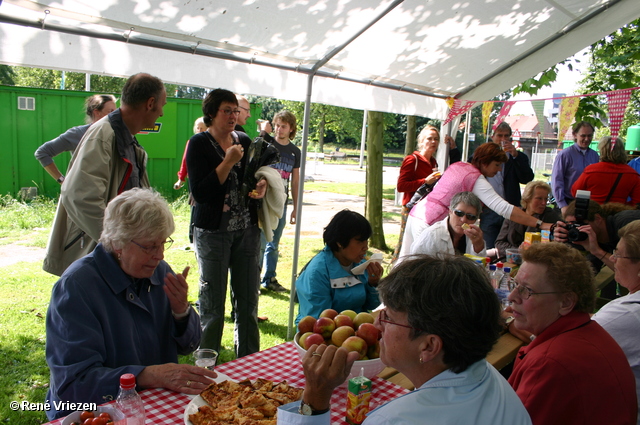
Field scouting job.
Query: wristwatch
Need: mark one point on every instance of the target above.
(60, 179)
(538, 224)
(306, 410)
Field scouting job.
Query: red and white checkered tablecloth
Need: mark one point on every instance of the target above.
(279, 363)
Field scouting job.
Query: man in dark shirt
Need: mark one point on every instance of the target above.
(506, 183)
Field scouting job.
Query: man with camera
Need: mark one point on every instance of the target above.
(594, 227)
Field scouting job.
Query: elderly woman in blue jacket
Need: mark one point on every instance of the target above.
(121, 309)
(327, 281)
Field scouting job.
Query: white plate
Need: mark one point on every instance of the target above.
(198, 401)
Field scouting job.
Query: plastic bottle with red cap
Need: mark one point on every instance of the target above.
(129, 401)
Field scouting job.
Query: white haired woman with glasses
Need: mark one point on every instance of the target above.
(621, 317)
(573, 372)
(121, 309)
(457, 234)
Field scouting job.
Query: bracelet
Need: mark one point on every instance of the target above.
(603, 255)
(181, 315)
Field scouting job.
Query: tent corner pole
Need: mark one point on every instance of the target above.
(296, 242)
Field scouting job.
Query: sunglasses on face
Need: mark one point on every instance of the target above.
(461, 214)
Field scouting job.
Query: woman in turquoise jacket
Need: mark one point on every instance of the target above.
(327, 281)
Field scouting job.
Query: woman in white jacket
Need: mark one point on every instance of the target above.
(457, 233)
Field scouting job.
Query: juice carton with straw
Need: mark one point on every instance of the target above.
(358, 397)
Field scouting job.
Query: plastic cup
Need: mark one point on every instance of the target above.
(513, 256)
(206, 358)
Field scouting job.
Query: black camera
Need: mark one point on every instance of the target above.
(575, 235)
(582, 212)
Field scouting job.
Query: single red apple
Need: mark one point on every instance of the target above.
(313, 339)
(355, 343)
(341, 334)
(343, 320)
(325, 327)
(306, 324)
(330, 313)
(369, 333)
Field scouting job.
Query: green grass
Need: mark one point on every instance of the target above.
(25, 291)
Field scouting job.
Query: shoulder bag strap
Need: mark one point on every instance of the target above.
(613, 188)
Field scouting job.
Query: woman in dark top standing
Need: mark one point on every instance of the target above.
(226, 233)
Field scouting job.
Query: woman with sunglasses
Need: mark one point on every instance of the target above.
(465, 177)
(121, 309)
(226, 233)
(573, 372)
(621, 317)
(457, 234)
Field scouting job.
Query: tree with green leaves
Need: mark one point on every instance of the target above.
(614, 64)
(6, 75)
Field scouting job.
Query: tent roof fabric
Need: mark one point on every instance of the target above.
(391, 56)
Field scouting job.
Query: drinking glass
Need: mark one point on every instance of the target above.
(205, 357)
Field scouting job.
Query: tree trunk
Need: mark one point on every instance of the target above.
(410, 144)
(373, 203)
(321, 135)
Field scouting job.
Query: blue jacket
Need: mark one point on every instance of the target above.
(98, 328)
(324, 284)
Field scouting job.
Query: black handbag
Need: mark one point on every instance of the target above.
(422, 191)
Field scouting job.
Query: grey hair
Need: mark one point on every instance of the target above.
(467, 198)
(136, 213)
(195, 124)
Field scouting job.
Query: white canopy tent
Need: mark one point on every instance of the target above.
(400, 56)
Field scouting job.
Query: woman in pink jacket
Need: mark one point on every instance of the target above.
(465, 177)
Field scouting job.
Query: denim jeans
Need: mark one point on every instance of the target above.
(270, 249)
(490, 224)
(221, 253)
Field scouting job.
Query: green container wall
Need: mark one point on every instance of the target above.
(633, 138)
(22, 132)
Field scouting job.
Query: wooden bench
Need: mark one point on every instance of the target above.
(336, 155)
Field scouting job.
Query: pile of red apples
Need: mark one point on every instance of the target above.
(348, 329)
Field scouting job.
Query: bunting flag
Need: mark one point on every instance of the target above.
(486, 113)
(504, 112)
(459, 107)
(618, 101)
(538, 108)
(568, 108)
(450, 101)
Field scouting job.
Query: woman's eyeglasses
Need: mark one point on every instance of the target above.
(461, 214)
(616, 255)
(229, 112)
(383, 318)
(154, 248)
(526, 292)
